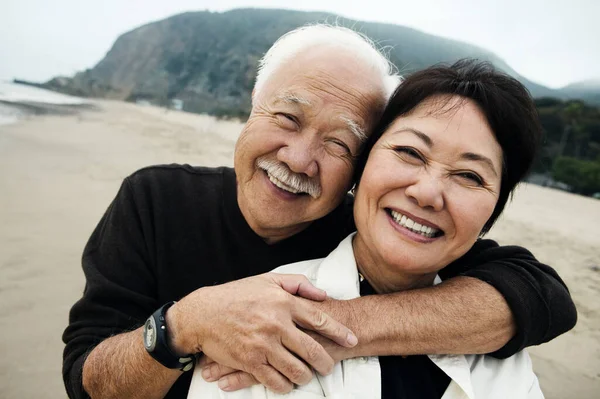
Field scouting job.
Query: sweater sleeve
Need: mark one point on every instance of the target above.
(120, 287)
(539, 299)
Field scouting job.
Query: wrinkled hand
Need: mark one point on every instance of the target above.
(235, 379)
(251, 325)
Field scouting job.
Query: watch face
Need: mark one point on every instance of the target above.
(150, 334)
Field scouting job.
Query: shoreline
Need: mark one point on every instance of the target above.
(18, 101)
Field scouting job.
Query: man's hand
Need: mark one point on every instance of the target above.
(235, 379)
(252, 325)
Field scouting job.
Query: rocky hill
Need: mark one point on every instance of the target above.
(208, 60)
(587, 90)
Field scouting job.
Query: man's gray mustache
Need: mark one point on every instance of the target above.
(281, 172)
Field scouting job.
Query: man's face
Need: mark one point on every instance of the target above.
(294, 158)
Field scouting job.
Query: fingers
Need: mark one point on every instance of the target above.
(272, 379)
(293, 370)
(230, 379)
(297, 284)
(236, 381)
(311, 318)
(203, 361)
(291, 367)
(215, 371)
(308, 349)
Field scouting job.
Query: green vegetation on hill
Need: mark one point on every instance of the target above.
(571, 151)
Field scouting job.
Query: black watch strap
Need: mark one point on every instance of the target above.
(157, 345)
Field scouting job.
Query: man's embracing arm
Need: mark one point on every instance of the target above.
(494, 300)
(462, 315)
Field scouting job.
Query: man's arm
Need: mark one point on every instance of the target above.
(107, 370)
(104, 324)
(500, 300)
(228, 323)
(462, 313)
(539, 300)
(250, 324)
(460, 316)
(495, 300)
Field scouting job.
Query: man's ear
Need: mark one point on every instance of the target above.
(252, 95)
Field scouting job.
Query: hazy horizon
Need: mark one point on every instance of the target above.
(555, 49)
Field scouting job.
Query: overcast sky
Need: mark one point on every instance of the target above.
(553, 42)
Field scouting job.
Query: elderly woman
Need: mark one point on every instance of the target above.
(451, 146)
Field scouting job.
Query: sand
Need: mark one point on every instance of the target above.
(59, 173)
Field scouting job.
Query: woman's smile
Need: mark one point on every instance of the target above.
(410, 229)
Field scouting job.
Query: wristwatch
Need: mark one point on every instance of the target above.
(156, 342)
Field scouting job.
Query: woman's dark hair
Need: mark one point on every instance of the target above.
(506, 104)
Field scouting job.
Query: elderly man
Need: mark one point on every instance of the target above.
(181, 233)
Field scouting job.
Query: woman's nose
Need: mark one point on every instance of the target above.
(427, 191)
(300, 155)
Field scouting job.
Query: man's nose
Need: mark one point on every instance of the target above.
(427, 190)
(300, 154)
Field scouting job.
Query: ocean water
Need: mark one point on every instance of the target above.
(10, 114)
(14, 96)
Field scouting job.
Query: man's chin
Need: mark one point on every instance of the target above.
(273, 228)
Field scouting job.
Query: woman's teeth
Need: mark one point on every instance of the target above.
(410, 224)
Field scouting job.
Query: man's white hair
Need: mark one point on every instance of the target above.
(297, 40)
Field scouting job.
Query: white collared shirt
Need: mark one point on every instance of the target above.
(472, 376)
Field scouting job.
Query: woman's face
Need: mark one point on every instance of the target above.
(430, 184)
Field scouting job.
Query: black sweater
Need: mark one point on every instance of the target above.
(173, 229)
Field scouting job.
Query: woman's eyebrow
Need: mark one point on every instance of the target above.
(425, 138)
(471, 156)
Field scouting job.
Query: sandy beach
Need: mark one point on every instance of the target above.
(58, 174)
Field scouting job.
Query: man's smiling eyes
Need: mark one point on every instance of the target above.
(291, 122)
(339, 147)
(288, 121)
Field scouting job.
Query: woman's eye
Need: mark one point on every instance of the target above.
(410, 153)
(471, 177)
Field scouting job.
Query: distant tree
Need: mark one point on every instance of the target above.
(572, 114)
(583, 176)
(548, 102)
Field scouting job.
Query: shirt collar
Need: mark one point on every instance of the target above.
(338, 276)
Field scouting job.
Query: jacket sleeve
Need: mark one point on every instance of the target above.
(539, 299)
(120, 287)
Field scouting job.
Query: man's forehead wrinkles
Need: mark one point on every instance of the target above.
(354, 100)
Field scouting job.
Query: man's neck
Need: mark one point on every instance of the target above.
(271, 235)
(275, 235)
